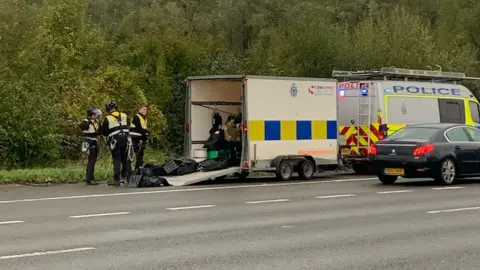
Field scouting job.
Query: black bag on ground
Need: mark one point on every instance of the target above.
(186, 167)
(214, 164)
(151, 182)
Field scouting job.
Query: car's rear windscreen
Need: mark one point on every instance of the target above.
(413, 134)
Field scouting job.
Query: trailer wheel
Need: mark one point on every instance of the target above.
(285, 171)
(306, 170)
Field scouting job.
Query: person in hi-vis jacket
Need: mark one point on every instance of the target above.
(139, 134)
(91, 127)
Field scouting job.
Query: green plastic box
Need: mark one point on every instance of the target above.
(215, 154)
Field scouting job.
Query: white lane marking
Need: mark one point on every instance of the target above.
(394, 191)
(335, 196)
(11, 222)
(269, 201)
(45, 253)
(446, 188)
(183, 190)
(191, 207)
(101, 215)
(453, 210)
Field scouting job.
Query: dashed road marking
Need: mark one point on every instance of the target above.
(268, 201)
(395, 191)
(184, 190)
(335, 196)
(11, 222)
(454, 210)
(101, 215)
(446, 188)
(45, 253)
(191, 207)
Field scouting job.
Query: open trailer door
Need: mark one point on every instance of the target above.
(205, 96)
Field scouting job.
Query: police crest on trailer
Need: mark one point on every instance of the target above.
(293, 90)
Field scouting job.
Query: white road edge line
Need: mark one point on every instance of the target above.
(11, 222)
(45, 253)
(335, 196)
(446, 188)
(191, 207)
(101, 215)
(184, 190)
(395, 191)
(454, 210)
(269, 201)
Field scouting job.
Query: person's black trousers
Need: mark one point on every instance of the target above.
(121, 164)
(92, 159)
(139, 148)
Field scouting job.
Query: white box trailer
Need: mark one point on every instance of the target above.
(288, 125)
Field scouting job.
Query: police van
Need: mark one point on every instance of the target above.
(374, 104)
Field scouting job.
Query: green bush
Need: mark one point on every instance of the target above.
(59, 57)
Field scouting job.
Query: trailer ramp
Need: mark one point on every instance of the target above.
(197, 177)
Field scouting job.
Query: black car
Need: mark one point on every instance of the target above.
(440, 151)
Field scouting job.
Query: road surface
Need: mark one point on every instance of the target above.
(346, 222)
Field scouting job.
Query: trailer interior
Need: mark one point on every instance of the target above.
(215, 100)
(214, 106)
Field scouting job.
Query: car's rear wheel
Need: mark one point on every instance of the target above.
(447, 172)
(387, 179)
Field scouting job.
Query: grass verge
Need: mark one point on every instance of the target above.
(72, 173)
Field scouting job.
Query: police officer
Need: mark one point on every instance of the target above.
(115, 129)
(139, 134)
(90, 127)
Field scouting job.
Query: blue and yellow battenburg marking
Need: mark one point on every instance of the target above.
(293, 130)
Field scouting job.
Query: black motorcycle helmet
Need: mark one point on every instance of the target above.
(93, 110)
(110, 106)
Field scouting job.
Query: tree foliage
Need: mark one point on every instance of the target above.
(59, 57)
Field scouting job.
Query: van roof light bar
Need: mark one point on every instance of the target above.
(402, 73)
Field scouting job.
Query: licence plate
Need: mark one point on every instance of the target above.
(346, 151)
(394, 171)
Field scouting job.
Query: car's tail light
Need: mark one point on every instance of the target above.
(373, 150)
(423, 150)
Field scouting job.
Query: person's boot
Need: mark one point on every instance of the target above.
(114, 183)
(92, 183)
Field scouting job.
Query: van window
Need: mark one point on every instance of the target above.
(474, 111)
(451, 111)
(412, 110)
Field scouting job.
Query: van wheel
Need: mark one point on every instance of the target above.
(285, 171)
(447, 172)
(387, 179)
(306, 170)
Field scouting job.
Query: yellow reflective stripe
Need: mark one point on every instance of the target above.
(288, 130)
(112, 122)
(319, 129)
(143, 121)
(256, 129)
